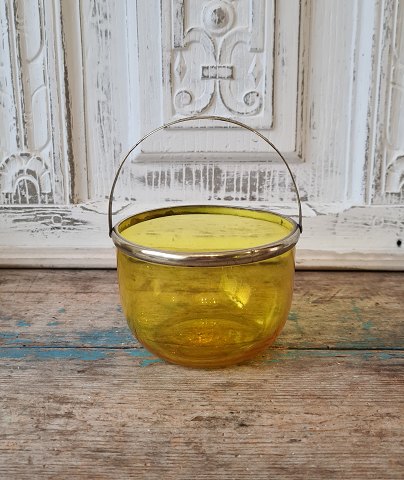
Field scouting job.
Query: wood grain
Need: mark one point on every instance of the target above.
(79, 402)
(298, 417)
(330, 310)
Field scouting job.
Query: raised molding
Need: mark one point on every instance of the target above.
(244, 66)
(385, 172)
(32, 84)
(395, 175)
(324, 135)
(25, 178)
(109, 63)
(221, 59)
(92, 257)
(394, 144)
(76, 236)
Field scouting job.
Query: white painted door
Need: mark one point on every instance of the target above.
(82, 80)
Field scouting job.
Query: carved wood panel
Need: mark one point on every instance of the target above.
(313, 112)
(221, 59)
(128, 66)
(108, 48)
(33, 144)
(385, 172)
(394, 125)
(238, 59)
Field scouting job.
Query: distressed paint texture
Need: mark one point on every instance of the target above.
(78, 236)
(107, 418)
(325, 171)
(355, 313)
(387, 167)
(42, 329)
(257, 46)
(106, 61)
(33, 153)
(84, 400)
(108, 30)
(220, 59)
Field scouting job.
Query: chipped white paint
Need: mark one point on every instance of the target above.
(105, 64)
(385, 170)
(394, 125)
(75, 236)
(395, 175)
(326, 128)
(220, 58)
(33, 146)
(25, 178)
(228, 58)
(108, 47)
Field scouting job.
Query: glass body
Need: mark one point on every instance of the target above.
(206, 316)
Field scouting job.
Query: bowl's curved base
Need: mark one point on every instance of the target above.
(208, 347)
(206, 317)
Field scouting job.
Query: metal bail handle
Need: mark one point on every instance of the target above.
(190, 119)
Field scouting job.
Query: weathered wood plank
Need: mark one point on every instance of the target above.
(299, 415)
(80, 397)
(81, 308)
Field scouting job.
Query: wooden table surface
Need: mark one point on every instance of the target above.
(80, 398)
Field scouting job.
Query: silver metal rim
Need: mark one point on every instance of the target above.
(206, 259)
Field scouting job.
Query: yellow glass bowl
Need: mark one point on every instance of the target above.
(206, 286)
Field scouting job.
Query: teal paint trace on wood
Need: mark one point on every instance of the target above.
(389, 356)
(141, 356)
(364, 329)
(146, 357)
(54, 323)
(38, 353)
(23, 323)
(294, 318)
(151, 361)
(367, 325)
(356, 311)
(112, 337)
(280, 355)
(362, 344)
(62, 310)
(13, 338)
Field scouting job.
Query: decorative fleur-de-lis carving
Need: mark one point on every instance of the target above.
(221, 61)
